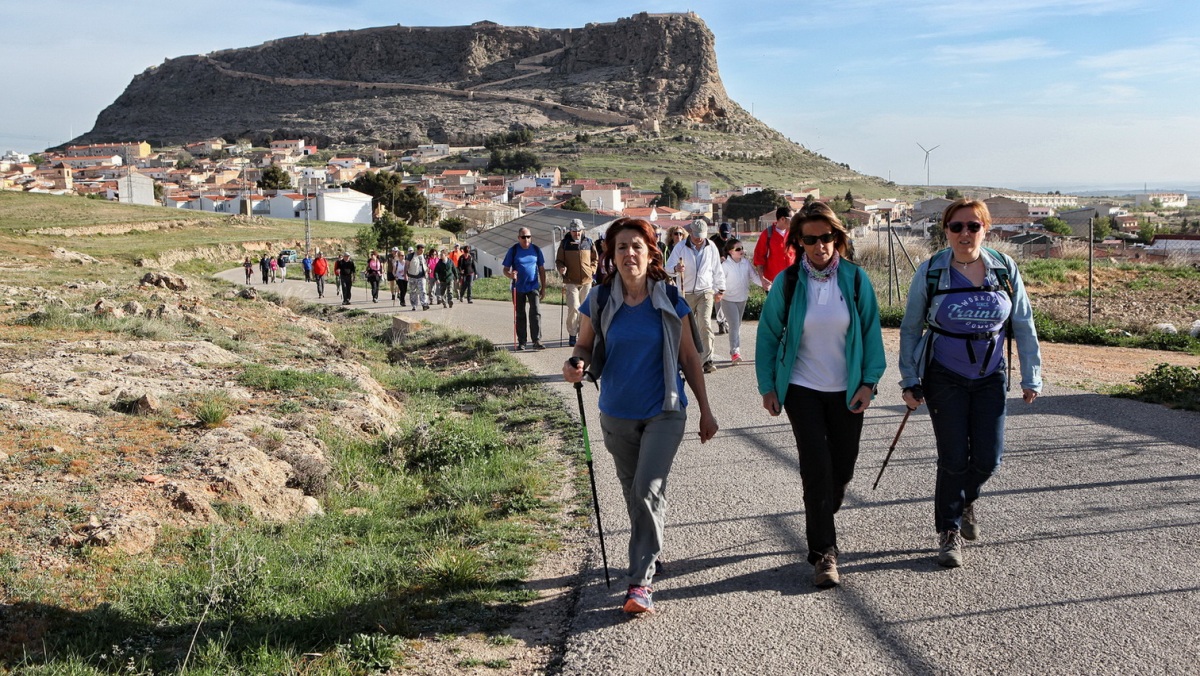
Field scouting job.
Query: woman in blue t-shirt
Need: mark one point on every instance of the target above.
(969, 298)
(642, 403)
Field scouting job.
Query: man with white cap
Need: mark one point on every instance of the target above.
(697, 265)
(576, 262)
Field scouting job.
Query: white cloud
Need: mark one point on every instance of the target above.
(1171, 58)
(998, 51)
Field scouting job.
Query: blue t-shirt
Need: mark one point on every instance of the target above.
(970, 312)
(526, 262)
(632, 382)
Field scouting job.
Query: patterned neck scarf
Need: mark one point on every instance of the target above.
(821, 275)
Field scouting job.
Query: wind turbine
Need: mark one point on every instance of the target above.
(927, 159)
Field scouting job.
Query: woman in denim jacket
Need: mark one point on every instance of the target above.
(951, 358)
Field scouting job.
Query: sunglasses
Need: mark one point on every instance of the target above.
(810, 240)
(737, 248)
(525, 236)
(679, 234)
(957, 226)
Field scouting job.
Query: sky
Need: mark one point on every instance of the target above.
(1063, 95)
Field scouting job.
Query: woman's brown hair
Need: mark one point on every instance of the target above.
(978, 206)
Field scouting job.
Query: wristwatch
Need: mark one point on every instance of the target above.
(874, 387)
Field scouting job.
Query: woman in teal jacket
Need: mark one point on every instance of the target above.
(820, 352)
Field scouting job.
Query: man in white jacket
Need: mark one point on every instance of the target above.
(697, 269)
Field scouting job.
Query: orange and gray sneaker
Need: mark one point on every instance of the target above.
(638, 600)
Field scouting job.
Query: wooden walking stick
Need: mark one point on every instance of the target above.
(893, 447)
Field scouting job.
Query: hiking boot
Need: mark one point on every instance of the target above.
(949, 549)
(638, 600)
(658, 567)
(423, 307)
(571, 341)
(709, 367)
(521, 347)
(825, 573)
(451, 301)
(970, 527)
(538, 346)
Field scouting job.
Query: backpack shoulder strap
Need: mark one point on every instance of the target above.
(791, 277)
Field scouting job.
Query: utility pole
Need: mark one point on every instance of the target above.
(307, 225)
(1091, 262)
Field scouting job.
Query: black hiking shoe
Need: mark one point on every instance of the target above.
(970, 527)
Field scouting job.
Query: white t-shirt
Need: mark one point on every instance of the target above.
(821, 361)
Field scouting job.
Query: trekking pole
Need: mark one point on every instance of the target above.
(562, 297)
(513, 287)
(587, 455)
(889, 453)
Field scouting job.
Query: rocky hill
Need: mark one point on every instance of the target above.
(402, 84)
(651, 78)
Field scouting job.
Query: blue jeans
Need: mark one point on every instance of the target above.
(968, 423)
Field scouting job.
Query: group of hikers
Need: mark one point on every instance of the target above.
(640, 310)
(413, 277)
(644, 330)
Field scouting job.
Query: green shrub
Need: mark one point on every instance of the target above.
(292, 380)
(446, 442)
(212, 409)
(1175, 386)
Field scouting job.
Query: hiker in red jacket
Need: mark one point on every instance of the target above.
(772, 254)
(320, 268)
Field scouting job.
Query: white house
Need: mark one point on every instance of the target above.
(606, 197)
(1169, 200)
(702, 191)
(291, 205)
(343, 205)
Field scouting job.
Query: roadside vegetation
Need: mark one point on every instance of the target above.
(426, 532)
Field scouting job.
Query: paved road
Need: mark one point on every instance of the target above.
(1089, 560)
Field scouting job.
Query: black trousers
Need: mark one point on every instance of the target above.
(347, 284)
(827, 434)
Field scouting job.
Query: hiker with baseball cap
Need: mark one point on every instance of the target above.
(576, 262)
(698, 265)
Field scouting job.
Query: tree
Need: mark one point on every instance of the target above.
(183, 159)
(840, 205)
(275, 178)
(809, 199)
(36, 159)
(158, 191)
(389, 231)
(755, 204)
(671, 194)
(1102, 228)
(849, 197)
(413, 207)
(453, 225)
(517, 162)
(1056, 225)
(383, 187)
(575, 203)
(953, 194)
(1146, 231)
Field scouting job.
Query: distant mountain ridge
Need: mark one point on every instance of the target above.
(401, 84)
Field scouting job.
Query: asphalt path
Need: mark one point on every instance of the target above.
(1088, 560)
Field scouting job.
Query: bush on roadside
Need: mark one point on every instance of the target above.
(1174, 386)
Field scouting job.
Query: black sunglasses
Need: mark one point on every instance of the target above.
(957, 226)
(525, 236)
(810, 240)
